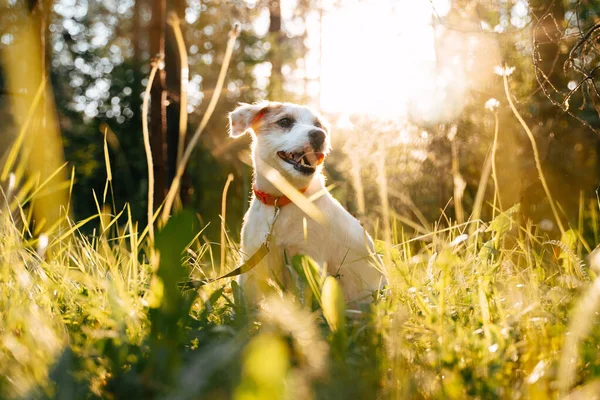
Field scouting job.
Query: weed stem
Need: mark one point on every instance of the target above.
(536, 154)
(233, 34)
(155, 66)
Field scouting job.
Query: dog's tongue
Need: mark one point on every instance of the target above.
(315, 158)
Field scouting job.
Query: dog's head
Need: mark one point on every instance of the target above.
(290, 138)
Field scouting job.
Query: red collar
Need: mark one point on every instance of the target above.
(270, 200)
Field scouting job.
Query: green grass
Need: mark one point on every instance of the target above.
(484, 316)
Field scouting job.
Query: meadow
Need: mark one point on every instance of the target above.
(482, 309)
(483, 301)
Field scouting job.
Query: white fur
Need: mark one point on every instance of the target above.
(343, 247)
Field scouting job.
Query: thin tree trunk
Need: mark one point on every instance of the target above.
(24, 65)
(136, 100)
(173, 81)
(275, 56)
(158, 97)
(459, 184)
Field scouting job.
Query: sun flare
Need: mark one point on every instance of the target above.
(377, 56)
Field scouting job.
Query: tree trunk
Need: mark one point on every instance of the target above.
(173, 80)
(136, 99)
(158, 98)
(24, 68)
(275, 54)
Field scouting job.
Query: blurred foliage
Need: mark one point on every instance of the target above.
(472, 39)
(98, 59)
(97, 56)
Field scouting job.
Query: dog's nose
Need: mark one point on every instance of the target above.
(317, 138)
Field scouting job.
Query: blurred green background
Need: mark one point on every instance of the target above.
(411, 76)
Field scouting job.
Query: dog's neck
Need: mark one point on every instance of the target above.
(312, 184)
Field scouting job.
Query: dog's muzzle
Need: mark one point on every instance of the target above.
(305, 162)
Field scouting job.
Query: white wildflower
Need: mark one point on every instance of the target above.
(12, 181)
(42, 245)
(504, 71)
(452, 133)
(492, 104)
(546, 225)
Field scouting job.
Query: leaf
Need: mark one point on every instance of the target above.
(487, 251)
(208, 306)
(241, 312)
(171, 242)
(68, 386)
(172, 308)
(310, 272)
(334, 311)
(266, 365)
(503, 222)
(334, 307)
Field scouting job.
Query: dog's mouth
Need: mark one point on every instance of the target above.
(305, 163)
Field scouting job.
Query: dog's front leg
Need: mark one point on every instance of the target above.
(264, 278)
(359, 280)
(254, 234)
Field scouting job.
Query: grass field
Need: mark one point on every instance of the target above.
(482, 309)
(479, 310)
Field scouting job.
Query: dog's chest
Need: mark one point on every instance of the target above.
(293, 232)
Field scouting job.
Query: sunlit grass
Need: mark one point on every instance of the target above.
(91, 289)
(485, 317)
(474, 309)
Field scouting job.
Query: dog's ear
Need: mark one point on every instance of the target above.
(244, 117)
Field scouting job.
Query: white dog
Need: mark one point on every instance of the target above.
(293, 140)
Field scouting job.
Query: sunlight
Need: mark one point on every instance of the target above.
(377, 56)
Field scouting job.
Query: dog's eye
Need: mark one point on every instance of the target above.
(285, 122)
(318, 124)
